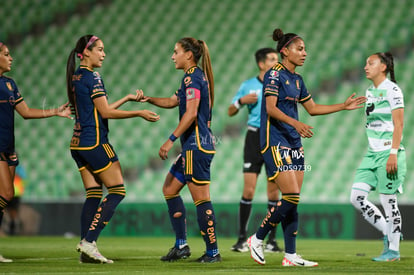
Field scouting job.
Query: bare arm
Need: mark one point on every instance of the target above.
(30, 113)
(303, 129)
(398, 121)
(106, 111)
(247, 99)
(186, 120)
(131, 97)
(350, 103)
(163, 102)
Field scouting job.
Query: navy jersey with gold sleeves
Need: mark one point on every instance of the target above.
(198, 136)
(90, 128)
(9, 98)
(289, 89)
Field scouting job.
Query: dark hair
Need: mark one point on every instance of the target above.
(199, 49)
(71, 64)
(261, 54)
(387, 59)
(284, 40)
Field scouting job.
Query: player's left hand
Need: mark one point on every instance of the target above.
(392, 167)
(165, 148)
(353, 102)
(64, 111)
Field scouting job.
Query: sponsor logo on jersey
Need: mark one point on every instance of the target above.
(274, 74)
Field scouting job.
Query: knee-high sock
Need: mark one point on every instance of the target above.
(93, 199)
(105, 211)
(290, 230)
(277, 214)
(369, 211)
(177, 213)
(245, 208)
(272, 234)
(3, 204)
(393, 216)
(207, 223)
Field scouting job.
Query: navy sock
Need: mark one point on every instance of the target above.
(207, 223)
(177, 213)
(90, 206)
(272, 234)
(105, 211)
(290, 230)
(245, 208)
(276, 215)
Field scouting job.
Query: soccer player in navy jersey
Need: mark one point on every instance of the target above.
(194, 99)
(10, 100)
(250, 95)
(90, 148)
(280, 142)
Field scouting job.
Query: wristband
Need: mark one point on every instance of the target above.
(393, 151)
(237, 104)
(172, 137)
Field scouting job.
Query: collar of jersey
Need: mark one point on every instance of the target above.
(86, 67)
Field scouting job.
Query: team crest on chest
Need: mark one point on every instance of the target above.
(9, 86)
(297, 84)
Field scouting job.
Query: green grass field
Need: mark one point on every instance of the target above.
(140, 255)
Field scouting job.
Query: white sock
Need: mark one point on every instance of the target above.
(393, 215)
(369, 211)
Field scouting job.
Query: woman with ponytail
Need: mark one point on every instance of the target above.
(195, 99)
(383, 167)
(11, 100)
(90, 148)
(280, 141)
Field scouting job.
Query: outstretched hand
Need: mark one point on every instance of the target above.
(150, 116)
(353, 102)
(64, 111)
(136, 97)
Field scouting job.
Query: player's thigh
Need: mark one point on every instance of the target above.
(199, 192)
(112, 175)
(172, 185)
(88, 179)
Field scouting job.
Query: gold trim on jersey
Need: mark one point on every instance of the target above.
(98, 138)
(199, 142)
(267, 135)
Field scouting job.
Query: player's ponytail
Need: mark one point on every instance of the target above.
(200, 50)
(85, 42)
(387, 59)
(284, 40)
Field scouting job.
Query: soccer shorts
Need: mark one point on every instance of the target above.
(281, 159)
(97, 159)
(177, 169)
(372, 171)
(197, 166)
(11, 158)
(252, 157)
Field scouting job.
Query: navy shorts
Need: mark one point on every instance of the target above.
(11, 158)
(197, 166)
(97, 159)
(177, 169)
(252, 157)
(280, 159)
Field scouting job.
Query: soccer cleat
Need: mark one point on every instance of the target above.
(85, 259)
(296, 260)
(208, 259)
(271, 246)
(5, 260)
(386, 245)
(240, 246)
(177, 254)
(388, 256)
(256, 249)
(90, 251)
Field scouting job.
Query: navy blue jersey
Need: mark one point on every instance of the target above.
(289, 89)
(198, 136)
(9, 98)
(90, 128)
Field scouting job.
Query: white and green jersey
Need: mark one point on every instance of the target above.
(381, 101)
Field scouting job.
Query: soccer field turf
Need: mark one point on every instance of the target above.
(141, 255)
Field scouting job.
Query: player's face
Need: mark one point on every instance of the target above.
(296, 52)
(271, 60)
(97, 54)
(5, 60)
(180, 57)
(374, 67)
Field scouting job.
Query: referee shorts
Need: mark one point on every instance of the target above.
(252, 157)
(97, 159)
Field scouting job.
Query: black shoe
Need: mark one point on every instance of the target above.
(271, 246)
(240, 246)
(177, 254)
(207, 259)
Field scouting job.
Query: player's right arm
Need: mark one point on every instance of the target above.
(163, 102)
